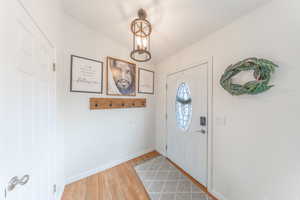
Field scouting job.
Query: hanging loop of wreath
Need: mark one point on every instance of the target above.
(262, 68)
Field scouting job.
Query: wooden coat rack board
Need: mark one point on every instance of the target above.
(114, 103)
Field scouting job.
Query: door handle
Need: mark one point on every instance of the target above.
(201, 131)
(24, 180)
(16, 181)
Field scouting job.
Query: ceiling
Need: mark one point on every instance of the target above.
(176, 23)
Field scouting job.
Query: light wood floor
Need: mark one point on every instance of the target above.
(118, 183)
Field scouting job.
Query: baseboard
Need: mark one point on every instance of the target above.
(217, 195)
(105, 166)
(161, 152)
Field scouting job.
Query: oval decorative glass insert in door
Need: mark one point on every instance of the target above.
(183, 107)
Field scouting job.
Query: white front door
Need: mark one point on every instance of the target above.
(27, 108)
(187, 120)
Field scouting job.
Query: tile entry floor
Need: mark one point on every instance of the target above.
(163, 181)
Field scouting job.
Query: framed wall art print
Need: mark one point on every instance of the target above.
(146, 81)
(86, 75)
(120, 77)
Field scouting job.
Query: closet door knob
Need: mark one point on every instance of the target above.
(16, 181)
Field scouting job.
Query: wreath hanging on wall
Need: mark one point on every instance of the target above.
(262, 68)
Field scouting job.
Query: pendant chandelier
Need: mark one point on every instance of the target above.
(141, 29)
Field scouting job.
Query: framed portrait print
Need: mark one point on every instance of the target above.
(120, 77)
(86, 75)
(146, 81)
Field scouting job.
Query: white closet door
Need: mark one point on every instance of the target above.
(28, 96)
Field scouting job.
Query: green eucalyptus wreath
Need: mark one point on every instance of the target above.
(262, 73)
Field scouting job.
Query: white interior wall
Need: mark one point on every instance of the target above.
(95, 140)
(255, 152)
